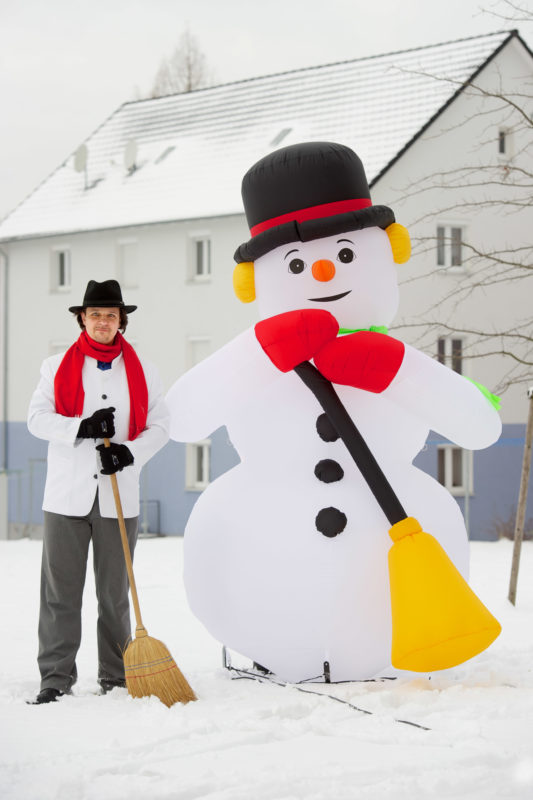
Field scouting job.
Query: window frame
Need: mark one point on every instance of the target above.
(190, 341)
(506, 135)
(123, 278)
(446, 354)
(445, 244)
(56, 286)
(195, 239)
(467, 469)
(194, 483)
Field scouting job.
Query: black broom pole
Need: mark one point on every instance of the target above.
(328, 398)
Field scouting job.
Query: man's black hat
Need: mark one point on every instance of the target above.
(306, 191)
(104, 295)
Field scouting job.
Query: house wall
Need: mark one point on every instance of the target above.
(172, 309)
(171, 306)
(467, 134)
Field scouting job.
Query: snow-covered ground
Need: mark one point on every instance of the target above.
(244, 739)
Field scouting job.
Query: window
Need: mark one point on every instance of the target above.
(197, 465)
(197, 348)
(449, 246)
(505, 143)
(450, 352)
(127, 263)
(60, 278)
(200, 258)
(454, 469)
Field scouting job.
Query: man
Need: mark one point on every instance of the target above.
(98, 388)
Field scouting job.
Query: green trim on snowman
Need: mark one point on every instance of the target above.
(493, 399)
(373, 329)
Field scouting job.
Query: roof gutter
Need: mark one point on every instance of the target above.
(4, 286)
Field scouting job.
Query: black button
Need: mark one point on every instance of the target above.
(104, 397)
(329, 471)
(325, 429)
(95, 476)
(330, 521)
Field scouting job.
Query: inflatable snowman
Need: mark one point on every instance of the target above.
(286, 554)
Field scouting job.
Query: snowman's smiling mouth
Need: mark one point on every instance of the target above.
(330, 298)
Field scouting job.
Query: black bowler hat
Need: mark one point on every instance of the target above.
(306, 191)
(104, 295)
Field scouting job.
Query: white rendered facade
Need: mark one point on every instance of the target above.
(179, 274)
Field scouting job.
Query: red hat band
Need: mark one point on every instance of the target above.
(303, 192)
(313, 212)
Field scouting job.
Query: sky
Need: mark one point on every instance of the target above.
(66, 65)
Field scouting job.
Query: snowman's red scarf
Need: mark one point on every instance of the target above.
(68, 385)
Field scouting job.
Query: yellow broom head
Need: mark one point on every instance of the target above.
(151, 670)
(437, 620)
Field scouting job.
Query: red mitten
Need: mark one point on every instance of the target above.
(365, 360)
(293, 337)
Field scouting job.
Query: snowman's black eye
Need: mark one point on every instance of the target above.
(296, 265)
(346, 255)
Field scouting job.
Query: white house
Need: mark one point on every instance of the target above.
(152, 197)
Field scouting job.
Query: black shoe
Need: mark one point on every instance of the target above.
(46, 696)
(107, 684)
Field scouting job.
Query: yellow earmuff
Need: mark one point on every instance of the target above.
(400, 242)
(244, 282)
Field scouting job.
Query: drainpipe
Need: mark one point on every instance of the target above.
(4, 357)
(4, 534)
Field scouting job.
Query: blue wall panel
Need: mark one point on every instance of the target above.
(162, 479)
(496, 479)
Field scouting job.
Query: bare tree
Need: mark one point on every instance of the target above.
(495, 272)
(510, 11)
(185, 70)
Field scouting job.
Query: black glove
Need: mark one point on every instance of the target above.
(114, 458)
(102, 423)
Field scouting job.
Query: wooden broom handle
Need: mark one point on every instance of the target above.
(125, 545)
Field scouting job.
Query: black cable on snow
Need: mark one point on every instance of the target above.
(243, 674)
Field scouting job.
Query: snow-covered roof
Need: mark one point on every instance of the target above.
(192, 149)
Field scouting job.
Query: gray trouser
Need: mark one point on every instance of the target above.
(64, 564)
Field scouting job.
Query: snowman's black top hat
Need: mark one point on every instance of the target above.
(306, 191)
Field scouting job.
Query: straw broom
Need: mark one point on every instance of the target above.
(149, 667)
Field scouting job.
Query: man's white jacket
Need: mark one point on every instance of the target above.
(73, 474)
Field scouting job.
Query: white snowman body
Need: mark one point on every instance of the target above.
(258, 573)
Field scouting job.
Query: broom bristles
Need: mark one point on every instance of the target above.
(151, 670)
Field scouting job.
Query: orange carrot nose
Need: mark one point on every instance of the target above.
(323, 270)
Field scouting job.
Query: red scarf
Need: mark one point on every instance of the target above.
(68, 385)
